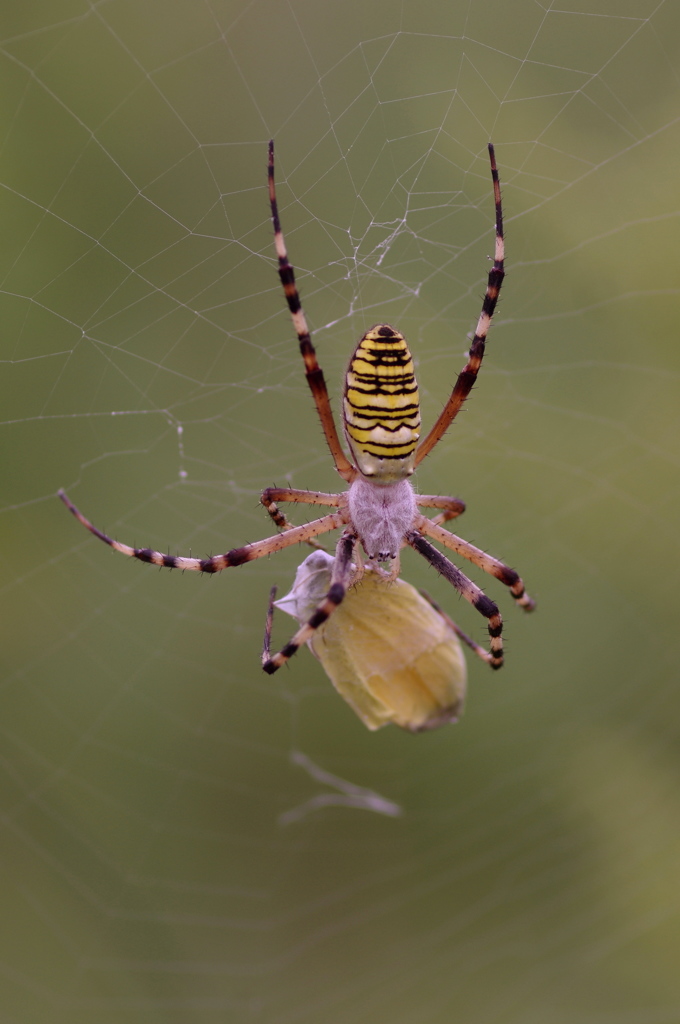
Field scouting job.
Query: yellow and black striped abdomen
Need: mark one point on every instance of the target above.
(381, 409)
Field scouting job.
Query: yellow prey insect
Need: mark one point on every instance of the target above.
(389, 651)
(379, 510)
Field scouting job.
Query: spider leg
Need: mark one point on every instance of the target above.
(491, 565)
(340, 578)
(269, 622)
(452, 507)
(237, 556)
(468, 375)
(273, 494)
(479, 651)
(315, 377)
(467, 589)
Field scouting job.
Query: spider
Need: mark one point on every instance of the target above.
(379, 510)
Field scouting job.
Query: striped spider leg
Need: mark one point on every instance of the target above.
(216, 563)
(474, 647)
(468, 375)
(340, 580)
(313, 372)
(379, 510)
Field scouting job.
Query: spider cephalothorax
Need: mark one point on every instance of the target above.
(379, 511)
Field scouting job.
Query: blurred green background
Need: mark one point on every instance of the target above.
(150, 368)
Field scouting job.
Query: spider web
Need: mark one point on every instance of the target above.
(185, 839)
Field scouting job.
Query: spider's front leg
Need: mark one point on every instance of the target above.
(340, 579)
(467, 589)
(216, 563)
(479, 651)
(486, 562)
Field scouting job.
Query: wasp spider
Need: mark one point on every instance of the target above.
(379, 510)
